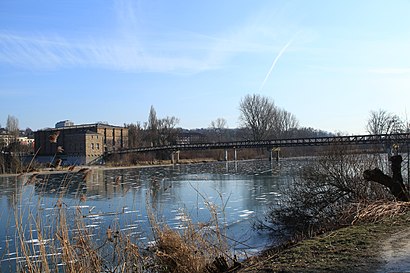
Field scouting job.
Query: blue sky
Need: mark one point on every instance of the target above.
(328, 62)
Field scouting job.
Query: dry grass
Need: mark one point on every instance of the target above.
(195, 248)
(65, 244)
(378, 211)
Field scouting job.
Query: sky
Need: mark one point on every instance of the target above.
(328, 62)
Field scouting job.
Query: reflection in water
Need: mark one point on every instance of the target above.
(118, 198)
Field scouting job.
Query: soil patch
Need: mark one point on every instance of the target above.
(395, 251)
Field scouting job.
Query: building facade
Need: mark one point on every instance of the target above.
(6, 140)
(79, 144)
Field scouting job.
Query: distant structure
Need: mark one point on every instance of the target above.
(6, 139)
(187, 137)
(64, 123)
(78, 144)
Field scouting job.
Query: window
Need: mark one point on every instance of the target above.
(92, 146)
(98, 146)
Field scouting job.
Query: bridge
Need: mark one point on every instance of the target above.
(381, 139)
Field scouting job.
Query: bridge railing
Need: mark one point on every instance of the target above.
(279, 143)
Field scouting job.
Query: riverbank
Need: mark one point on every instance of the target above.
(366, 247)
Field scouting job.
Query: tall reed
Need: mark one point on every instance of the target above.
(66, 244)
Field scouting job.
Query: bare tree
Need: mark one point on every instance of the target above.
(135, 135)
(258, 114)
(152, 126)
(161, 131)
(219, 123)
(218, 128)
(265, 120)
(152, 119)
(383, 122)
(286, 123)
(12, 125)
(167, 131)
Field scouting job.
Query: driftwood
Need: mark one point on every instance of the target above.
(394, 183)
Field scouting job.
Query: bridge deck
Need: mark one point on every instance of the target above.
(387, 139)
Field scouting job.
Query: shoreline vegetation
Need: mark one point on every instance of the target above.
(353, 247)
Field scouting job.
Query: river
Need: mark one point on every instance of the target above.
(117, 198)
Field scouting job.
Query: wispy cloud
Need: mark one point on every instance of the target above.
(55, 52)
(129, 49)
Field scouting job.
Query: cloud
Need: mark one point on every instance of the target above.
(130, 48)
(56, 52)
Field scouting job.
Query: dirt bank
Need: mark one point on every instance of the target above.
(395, 252)
(372, 247)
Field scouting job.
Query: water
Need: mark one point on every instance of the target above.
(242, 193)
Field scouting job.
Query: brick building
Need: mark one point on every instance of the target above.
(79, 144)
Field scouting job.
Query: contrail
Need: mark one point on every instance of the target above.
(274, 63)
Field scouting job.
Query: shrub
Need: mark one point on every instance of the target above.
(322, 194)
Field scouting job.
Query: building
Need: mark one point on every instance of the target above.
(64, 123)
(7, 139)
(26, 141)
(79, 144)
(188, 137)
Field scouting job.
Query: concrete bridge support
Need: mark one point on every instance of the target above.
(235, 155)
(175, 157)
(274, 153)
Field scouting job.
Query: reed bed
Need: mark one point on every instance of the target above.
(198, 248)
(64, 243)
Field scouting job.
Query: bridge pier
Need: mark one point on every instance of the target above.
(235, 155)
(175, 157)
(275, 151)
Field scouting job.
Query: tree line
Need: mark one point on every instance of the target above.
(259, 119)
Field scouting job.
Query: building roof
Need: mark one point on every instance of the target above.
(82, 126)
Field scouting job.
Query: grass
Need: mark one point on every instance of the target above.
(351, 249)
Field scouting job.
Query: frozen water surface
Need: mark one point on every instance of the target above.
(241, 191)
